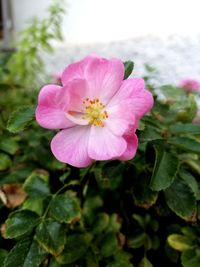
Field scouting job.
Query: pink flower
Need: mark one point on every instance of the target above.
(190, 85)
(96, 110)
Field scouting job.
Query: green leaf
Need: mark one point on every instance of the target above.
(54, 263)
(20, 119)
(145, 263)
(190, 258)
(9, 145)
(3, 254)
(100, 223)
(20, 222)
(5, 162)
(51, 236)
(128, 68)
(185, 143)
(191, 182)
(34, 204)
(137, 241)
(36, 185)
(65, 208)
(142, 193)
(185, 128)
(26, 253)
(75, 247)
(165, 168)
(109, 245)
(180, 242)
(180, 199)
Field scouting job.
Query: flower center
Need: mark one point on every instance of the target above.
(94, 112)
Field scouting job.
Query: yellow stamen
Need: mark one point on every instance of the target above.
(94, 112)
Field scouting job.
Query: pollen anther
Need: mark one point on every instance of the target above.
(94, 112)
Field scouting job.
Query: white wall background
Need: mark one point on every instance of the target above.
(91, 21)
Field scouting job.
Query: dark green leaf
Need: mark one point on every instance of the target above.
(185, 143)
(20, 222)
(185, 128)
(100, 223)
(36, 185)
(3, 254)
(191, 182)
(26, 253)
(51, 236)
(20, 119)
(190, 258)
(165, 169)
(5, 161)
(65, 208)
(75, 247)
(109, 245)
(142, 193)
(180, 199)
(128, 65)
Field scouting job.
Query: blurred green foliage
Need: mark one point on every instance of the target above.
(144, 212)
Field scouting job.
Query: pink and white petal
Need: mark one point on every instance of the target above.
(128, 89)
(120, 117)
(52, 95)
(140, 99)
(77, 91)
(104, 78)
(71, 146)
(50, 110)
(52, 118)
(104, 145)
(132, 144)
(77, 70)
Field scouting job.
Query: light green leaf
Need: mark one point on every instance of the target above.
(9, 145)
(51, 236)
(165, 168)
(145, 263)
(180, 242)
(20, 222)
(20, 119)
(180, 199)
(75, 247)
(128, 68)
(5, 161)
(26, 253)
(65, 208)
(100, 223)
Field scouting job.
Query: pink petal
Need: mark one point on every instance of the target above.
(77, 70)
(134, 90)
(71, 146)
(103, 76)
(132, 144)
(120, 116)
(104, 145)
(50, 110)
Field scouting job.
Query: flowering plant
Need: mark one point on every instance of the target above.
(137, 194)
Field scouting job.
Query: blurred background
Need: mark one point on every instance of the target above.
(164, 34)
